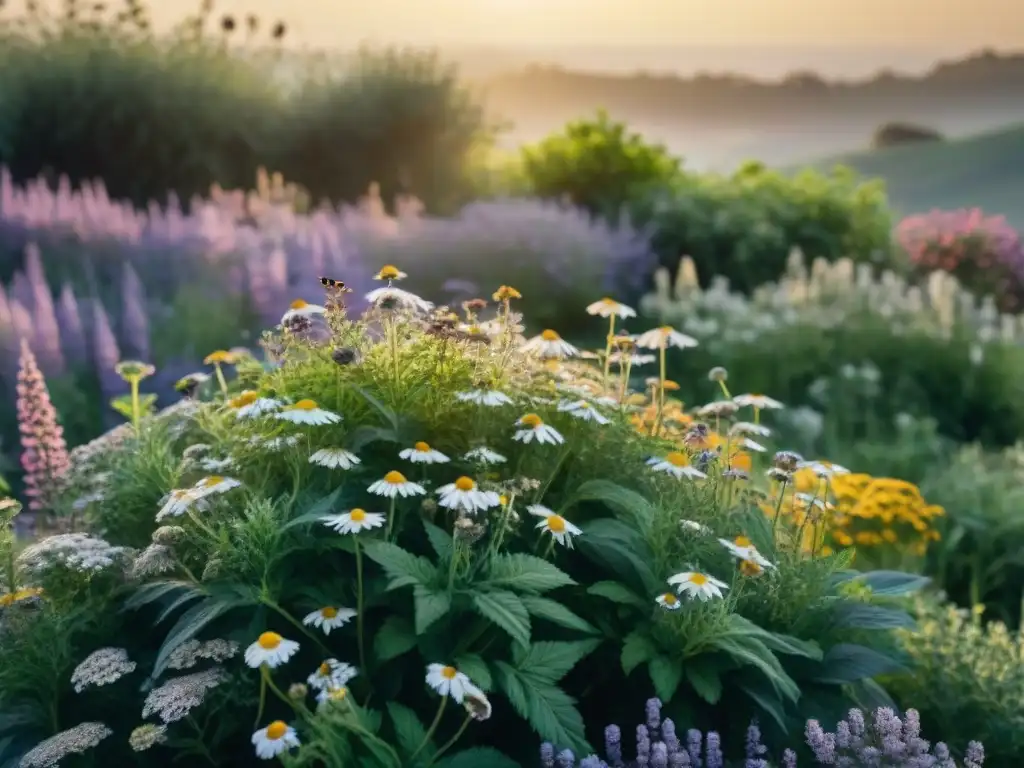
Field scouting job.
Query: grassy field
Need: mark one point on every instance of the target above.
(984, 171)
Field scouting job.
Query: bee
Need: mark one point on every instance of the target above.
(337, 286)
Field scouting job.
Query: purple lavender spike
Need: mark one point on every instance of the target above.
(22, 291)
(135, 320)
(105, 351)
(72, 330)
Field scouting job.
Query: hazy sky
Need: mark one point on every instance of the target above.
(963, 24)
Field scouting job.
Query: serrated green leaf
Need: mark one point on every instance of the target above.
(640, 511)
(551, 660)
(506, 611)
(617, 593)
(666, 674)
(429, 606)
(191, 622)
(395, 637)
(867, 616)
(553, 611)
(849, 662)
(476, 668)
(637, 649)
(525, 573)
(403, 568)
(545, 706)
(409, 731)
(478, 757)
(320, 508)
(704, 679)
(440, 540)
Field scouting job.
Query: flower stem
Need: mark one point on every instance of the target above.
(608, 350)
(220, 379)
(359, 605)
(391, 519)
(661, 391)
(136, 410)
(778, 509)
(448, 744)
(431, 729)
(263, 700)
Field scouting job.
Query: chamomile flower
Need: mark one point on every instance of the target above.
(810, 500)
(448, 681)
(476, 703)
(560, 529)
(548, 345)
(270, 649)
(491, 398)
(534, 428)
(390, 273)
(301, 308)
(676, 464)
(758, 402)
(669, 602)
(749, 428)
(354, 521)
(307, 412)
(752, 445)
(697, 586)
(178, 502)
(632, 359)
(664, 337)
(329, 617)
(332, 695)
(214, 484)
(582, 409)
(249, 405)
(276, 739)
(334, 458)
(743, 549)
(822, 469)
(607, 307)
(483, 455)
(391, 296)
(331, 674)
(422, 453)
(464, 494)
(394, 484)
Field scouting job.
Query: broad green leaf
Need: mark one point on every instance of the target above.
(553, 611)
(525, 573)
(848, 663)
(748, 651)
(545, 706)
(440, 540)
(637, 649)
(476, 668)
(778, 643)
(767, 700)
(158, 590)
(616, 546)
(181, 600)
(429, 605)
(191, 622)
(409, 731)
(505, 610)
(477, 757)
(403, 568)
(388, 414)
(617, 593)
(867, 616)
(893, 583)
(320, 508)
(364, 435)
(704, 679)
(551, 661)
(666, 674)
(395, 637)
(638, 509)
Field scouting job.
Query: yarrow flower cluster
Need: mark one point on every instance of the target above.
(102, 667)
(74, 741)
(75, 551)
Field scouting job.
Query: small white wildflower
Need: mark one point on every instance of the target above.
(270, 649)
(548, 345)
(581, 409)
(74, 551)
(490, 398)
(353, 521)
(308, 413)
(560, 529)
(391, 296)
(301, 308)
(696, 585)
(447, 681)
(394, 484)
(102, 667)
(215, 484)
(249, 405)
(676, 464)
(695, 526)
(152, 561)
(178, 502)
(422, 453)
(758, 402)
(328, 618)
(191, 652)
(276, 739)
(536, 429)
(668, 601)
(483, 455)
(464, 494)
(664, 337)
(331, 674)
(749, 428)
(607, 307)
(334, 458)
(742, 549)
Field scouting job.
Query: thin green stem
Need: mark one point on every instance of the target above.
(201, 525)
(359, 605)
(451, 742)
(778, 509)
(263, 701)
(430, 731)
(294, 622)
(136, 409)
(608, 351)
(661, 390)
(391, 518)
(221, 380)
(725, 390)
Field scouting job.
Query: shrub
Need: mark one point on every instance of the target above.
(983, 252)
(898, 134)
(597, 164)
(514, 564)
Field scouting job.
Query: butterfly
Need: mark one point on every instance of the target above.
(335, 285)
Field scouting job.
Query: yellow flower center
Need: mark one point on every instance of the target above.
(324, 669)
(503, 499)
(549, 335)
(220, 356)
(276, 730)
(212, 481)
(666, 329)
(669, 598)
(531, 420)
(609, 302)
(305, 405)
(505, 293)
(556, 524)
(246, 398)
(465, 484)
(180, 493)
(329, 613)
(742, 541)
(337, 694)
(422, 447)
(449, 673)
(358, 515)
(749, 568)
(699, 579)
(678, 459)
(669, 385)
(394, 478)
(299, 304)
(388, 273)
(268, 641)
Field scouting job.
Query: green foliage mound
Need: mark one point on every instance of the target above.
(283, 564)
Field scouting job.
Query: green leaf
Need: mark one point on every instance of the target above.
(317, 510)
(476, 668)
(666, 674)
(704, 679)
(505, 610)
(183, 599)
(525, 573)
(364, 435)
(767, 701)
(618, 547)
(556, 613)
(157, 590)
(617, 593)
(551, 661)
(478, 757)
(394, 638)
(866, 616)
(545, 706)
(893, 583)
(778, 643)
(429, 605)
(409, 731)
(748, 651)
(637, 649)
(388, 415)
(403, 568)
(191, 622)
(440, 540)
(640, 511)
(848, 663)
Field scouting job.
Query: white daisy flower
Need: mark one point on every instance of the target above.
(331, 695)
(809, 499)
(331, 674)
(390, 295)
(698, 586)
(635, 359)
(466, 495)
(752, 445)
(484, 455)
(476, 703)
(394, 484)
(669, 602)
(696, 527)
(276, 739)
(823, 470)
(354, 521)
(447, 681)
(581, 409)
(216, 465)
(559, 528)
(275, 443)
(215, 484)
(664, 337)
(676, 464)
(743, 549)
(307, 412)
(758, 402)
(422, 453)
(607, 307)
(178, 502)
(334, 458)
(548, 345)
(536, 429)
(492, 398)
(329, 617)
(390, 273)
(301, 308)
(749, 428)
(270, 649)
(249, 405)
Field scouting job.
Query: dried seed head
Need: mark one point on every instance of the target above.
(345, 355)
(168, 535)
(786, 461)
(152, 561)
(147, 736)
(718, 374)
(298, 691)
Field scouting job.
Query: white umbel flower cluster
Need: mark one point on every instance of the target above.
(75, 551)
(74, 741)
(173, 700)
(191, 652)
(102, 667)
